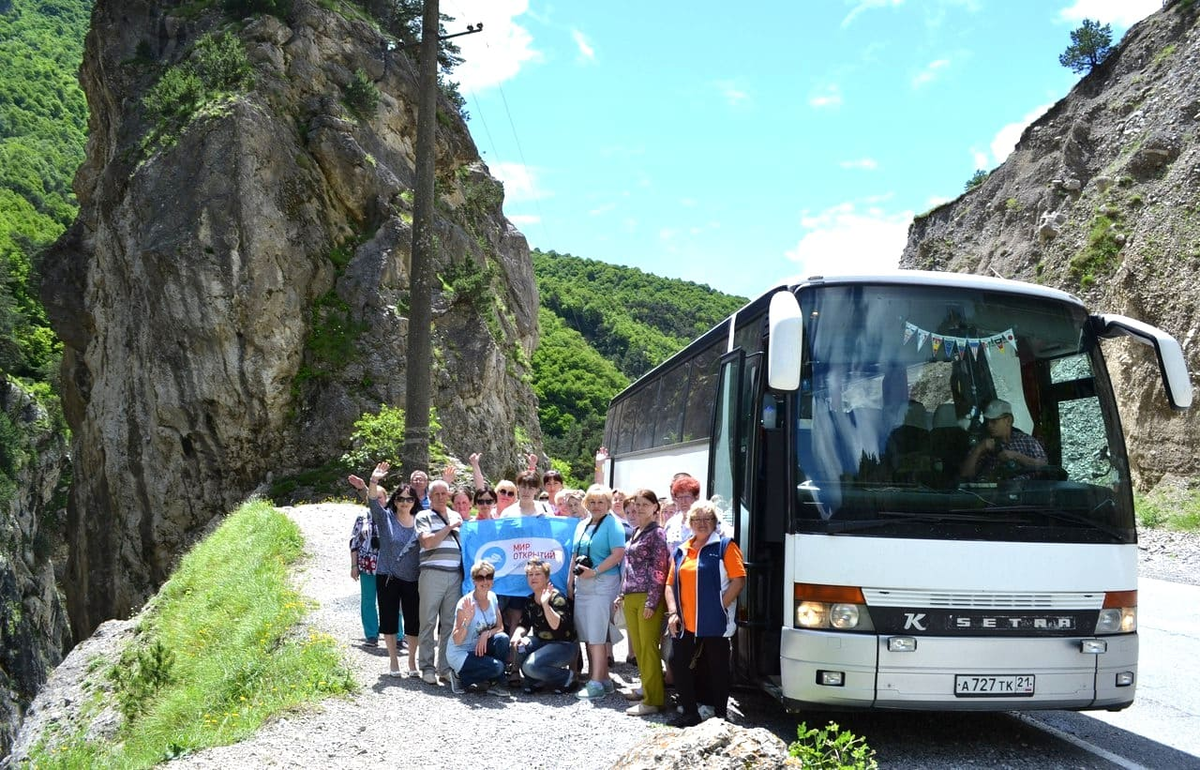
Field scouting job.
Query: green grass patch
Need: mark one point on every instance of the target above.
(832, 747)
(220, 650)
(1099, 255)
(1177, 509)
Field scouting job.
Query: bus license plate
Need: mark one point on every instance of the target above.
(972, 686)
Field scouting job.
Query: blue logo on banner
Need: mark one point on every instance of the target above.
(509, 543)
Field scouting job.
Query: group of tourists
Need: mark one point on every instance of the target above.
(666, 565)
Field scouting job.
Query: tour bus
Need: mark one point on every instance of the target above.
(831, 420)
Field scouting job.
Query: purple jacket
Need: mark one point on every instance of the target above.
(647, 561)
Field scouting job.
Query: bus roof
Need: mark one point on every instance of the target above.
(932, 278)
(966, 281)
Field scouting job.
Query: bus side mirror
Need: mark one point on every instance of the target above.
(785, 342)
(1171, 363)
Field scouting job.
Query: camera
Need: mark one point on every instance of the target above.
(374, 543)
(581, 563)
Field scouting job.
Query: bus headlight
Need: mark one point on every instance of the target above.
(1119, 615)
(1117, 620)
(838, 607)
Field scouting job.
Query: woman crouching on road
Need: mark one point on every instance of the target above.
(707, 574)
(397, 571)
(478, 649)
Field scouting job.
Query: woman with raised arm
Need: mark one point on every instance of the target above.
(397, 571)
(364, 557)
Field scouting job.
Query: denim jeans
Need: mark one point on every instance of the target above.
(476, 669)
(547, 662)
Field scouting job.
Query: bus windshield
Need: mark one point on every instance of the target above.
(972, 414)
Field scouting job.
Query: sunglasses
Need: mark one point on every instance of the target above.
(406, 499)
(486, 501)
(484, 579)
(505, 492)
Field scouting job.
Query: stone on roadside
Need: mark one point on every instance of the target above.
(712, 745)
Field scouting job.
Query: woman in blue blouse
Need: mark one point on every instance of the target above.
(594, 583)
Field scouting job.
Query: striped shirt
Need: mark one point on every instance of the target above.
(446, 555)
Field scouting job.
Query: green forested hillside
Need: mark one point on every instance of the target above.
(602, 327)
(43, 125)
(633, 318)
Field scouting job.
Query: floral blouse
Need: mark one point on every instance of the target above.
(647, 562)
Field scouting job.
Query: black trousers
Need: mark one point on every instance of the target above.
(701, 668)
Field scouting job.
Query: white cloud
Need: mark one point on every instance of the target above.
(981, 160)
(496, 54)
(586, 51)
(524, 219)
(519, 182)
(864, 164)
(850, 238)
(1007, 137)
(937, 200)
(603, 208)
(1123, 13)
(930, 73)
(829, 96)
(734, 95)
(861, 6)
(667, 233)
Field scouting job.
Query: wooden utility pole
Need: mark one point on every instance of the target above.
(418, 374)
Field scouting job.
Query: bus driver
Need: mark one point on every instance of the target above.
(1004, 446)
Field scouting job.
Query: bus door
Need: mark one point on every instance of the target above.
(733, 485)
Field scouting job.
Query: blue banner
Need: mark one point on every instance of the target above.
(508, 543)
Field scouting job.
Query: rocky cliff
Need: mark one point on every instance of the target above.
(1101, 197)
(233, 294)
(34, 634)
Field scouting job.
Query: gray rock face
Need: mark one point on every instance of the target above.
(1101, 198)
(233, 300)
(34, 634)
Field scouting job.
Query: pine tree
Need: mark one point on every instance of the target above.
(1090, 45)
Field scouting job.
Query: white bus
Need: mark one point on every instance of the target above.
(831, 418)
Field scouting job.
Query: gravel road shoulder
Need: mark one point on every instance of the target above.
(407, 721)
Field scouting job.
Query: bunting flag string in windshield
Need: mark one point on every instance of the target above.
(1004, 343)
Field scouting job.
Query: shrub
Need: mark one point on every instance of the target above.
(362, 97)
(380, 436)
(221, 63)
(139, 675)
(176, 94)
(831, 747)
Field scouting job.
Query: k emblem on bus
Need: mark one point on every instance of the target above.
(914, 620)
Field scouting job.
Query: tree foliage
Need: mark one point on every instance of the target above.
(1091, 44)
(976, 179)
(601, 326)
(43, 126)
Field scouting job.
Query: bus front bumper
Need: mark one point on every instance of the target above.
(872, 676)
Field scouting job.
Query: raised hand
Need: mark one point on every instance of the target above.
(356, 482)
(474, 459)
(602, 455)
(380, 471)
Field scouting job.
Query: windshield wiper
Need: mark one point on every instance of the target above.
(1060, 515)
(897, 517)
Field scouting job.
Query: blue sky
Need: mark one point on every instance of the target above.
(736, 144)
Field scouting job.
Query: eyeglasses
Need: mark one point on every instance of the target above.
(406, 499)
(486, 501)
(683, 497)
(704, 520)
(484, 579)
(505, 492)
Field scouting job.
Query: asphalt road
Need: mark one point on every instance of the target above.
(1161, 729)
